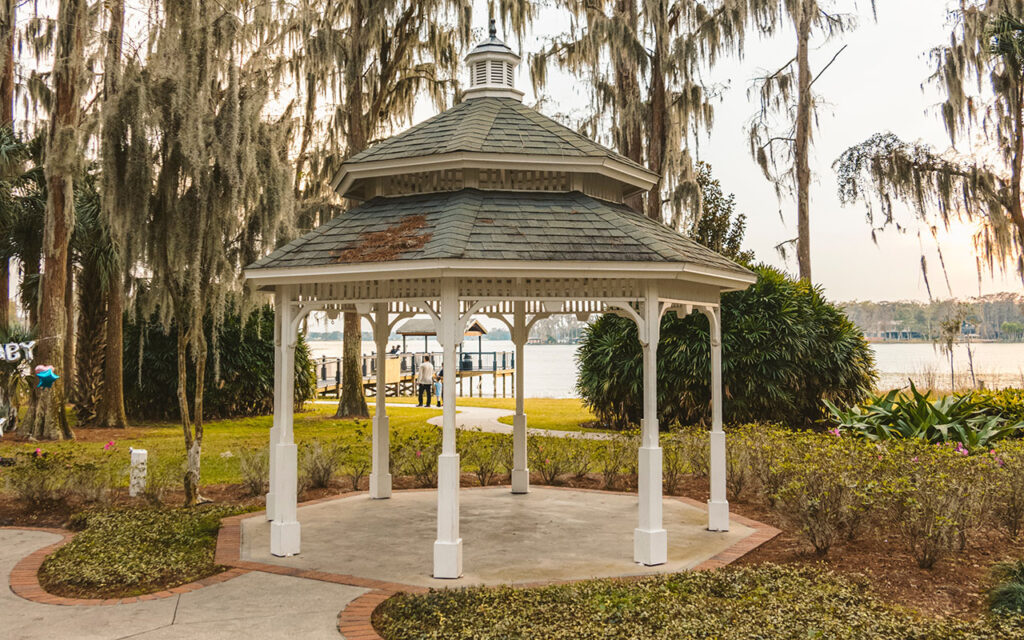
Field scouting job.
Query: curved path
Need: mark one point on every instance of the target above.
(486, 419)
(253, 605)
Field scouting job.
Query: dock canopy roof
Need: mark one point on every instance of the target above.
(426, 327)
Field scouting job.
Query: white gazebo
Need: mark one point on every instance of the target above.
(492, 208)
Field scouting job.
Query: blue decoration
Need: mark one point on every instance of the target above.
(46, 378)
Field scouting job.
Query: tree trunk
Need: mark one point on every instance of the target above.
(191, 479)
(1016, 211)
(628, 101)
(192, 496)
(352, 402)
(90, 353)
(70, 379)
(803, 143)
(7, 30)
(61, 163)
(112, 412)
(659, 113)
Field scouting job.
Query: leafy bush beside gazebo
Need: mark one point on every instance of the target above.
(785, 350)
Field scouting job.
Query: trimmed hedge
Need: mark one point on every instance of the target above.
(767, 601)
(245, 385)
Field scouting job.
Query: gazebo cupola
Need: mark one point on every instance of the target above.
(492, 69)
(491, 208)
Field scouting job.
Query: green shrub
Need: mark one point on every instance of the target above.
(956, 419)
(734, 603)
(357, 460)
(935, 498)
(254, 465)
(550, 457)
(42, 478)
(244, 357)
(415, 454)
(674, 464)
(1007, 596)
(482, 453)
(1008, 488)
(318, 463)
(127, 552)
(1008, 403)
(785, 348)
(164, 472)
(825, 488)
(615, 457)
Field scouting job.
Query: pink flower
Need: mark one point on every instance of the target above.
(914, 459)
(547, 461)
(108, 446)
(834, 432)
(39, 452)
(419, 454)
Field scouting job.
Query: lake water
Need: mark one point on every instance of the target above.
(551, 369)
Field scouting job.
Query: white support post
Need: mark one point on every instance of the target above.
(448, 546)
(718, 505)
(380, 478)
(650, 541)
(520, 471)
(284, 530)
(275, 429)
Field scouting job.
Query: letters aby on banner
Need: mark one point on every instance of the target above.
(15, 351)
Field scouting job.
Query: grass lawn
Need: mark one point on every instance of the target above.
(767, 601)
(562, 414)
(222, 440)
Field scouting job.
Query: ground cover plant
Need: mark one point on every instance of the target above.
(733, 603)
(130, 551)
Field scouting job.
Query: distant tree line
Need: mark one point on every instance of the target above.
(993, 317)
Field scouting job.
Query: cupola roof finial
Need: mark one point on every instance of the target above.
(492, 68)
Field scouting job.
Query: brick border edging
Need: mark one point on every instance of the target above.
(355, 619)
(24, 578)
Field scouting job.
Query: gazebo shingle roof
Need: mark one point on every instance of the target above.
(488, 125)
(471, 224)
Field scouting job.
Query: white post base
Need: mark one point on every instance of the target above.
(520, 472)
(448, 546)
(448, 559)
(138, 474)
(650, 547)
(380, 486)
(520, 481)
(281, 501)
(718, 515)
(284, 538)
(380, 479)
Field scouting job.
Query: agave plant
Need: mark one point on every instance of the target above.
(948, 419)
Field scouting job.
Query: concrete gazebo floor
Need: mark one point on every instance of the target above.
(548, 535)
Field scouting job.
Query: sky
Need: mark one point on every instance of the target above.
(875, 85)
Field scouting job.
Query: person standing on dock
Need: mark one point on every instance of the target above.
(425, 381)
(439, 386)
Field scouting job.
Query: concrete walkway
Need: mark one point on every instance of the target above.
(486, 419)
(254, 605)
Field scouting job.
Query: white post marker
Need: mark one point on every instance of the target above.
(718, 506)
(137, 472)
(380, 478)
(284, 530)
(650, 541)
(448, 546)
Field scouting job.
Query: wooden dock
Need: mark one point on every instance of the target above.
(401, 371)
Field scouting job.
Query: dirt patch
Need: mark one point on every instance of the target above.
(382, 246)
